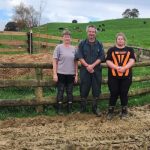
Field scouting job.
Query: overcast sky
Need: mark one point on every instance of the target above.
(81, 10)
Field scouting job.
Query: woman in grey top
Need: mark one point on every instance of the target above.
(65, 71)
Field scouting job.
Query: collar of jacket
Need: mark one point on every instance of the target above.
(87, 42)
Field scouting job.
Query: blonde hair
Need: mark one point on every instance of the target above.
(123, 35)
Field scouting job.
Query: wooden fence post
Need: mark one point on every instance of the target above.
(39, 90)
(139, 50)
(30, 42)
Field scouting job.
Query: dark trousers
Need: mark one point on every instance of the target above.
(65, 82)
(90, 80)
(119, 87)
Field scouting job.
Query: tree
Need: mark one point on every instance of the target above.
(11, 26)
(128, 13)
(41, 9)
(134, 13)
(25, 16)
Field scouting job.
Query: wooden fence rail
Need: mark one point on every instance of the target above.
(52, 99)
(14, 42)
(47, 36)
(36, 41)
(31, 40)
(39, 83)
(50, 83)
(50, 66)
(13, 33)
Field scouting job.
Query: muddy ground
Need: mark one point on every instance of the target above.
(78, 131)
(13, 73)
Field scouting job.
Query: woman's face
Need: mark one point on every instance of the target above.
(66, 39)
(120, 41)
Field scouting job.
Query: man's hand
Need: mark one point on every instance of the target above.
(90, 68)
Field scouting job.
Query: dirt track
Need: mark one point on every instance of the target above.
(78, 131)
(7, 73)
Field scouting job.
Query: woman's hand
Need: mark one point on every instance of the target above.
(55, 77)
(121, 69)
(76, 79)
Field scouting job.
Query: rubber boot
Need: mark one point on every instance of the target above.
(124, 112)
(60, 94)
(95, 109)
(69, 91)
(59, 108)
(110, 113)
(83, 105)
(69, 107)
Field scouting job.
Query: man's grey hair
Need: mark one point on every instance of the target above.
(91, 26)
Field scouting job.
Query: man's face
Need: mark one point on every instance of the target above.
(91, 33)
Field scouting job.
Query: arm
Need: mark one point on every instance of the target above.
(55, 66)
(76, 71)
(127, 66)
(101, 57)
(111, 65)
(91, 67)
(83, 62)
(87, 66)
(130, 63)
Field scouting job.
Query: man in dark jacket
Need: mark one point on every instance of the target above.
(90, 54)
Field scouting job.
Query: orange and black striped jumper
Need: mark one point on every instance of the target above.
(119, 83)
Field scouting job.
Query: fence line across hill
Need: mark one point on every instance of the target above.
(31, 42)
(39, 83)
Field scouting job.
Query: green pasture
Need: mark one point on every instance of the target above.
(136, 30)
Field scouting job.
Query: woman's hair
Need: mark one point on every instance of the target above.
(91, 26)
(66, 32)
(123, 35)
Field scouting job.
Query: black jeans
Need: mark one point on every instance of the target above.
(65, 82)
(119, 87)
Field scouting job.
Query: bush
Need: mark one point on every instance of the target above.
(74, 21)
(11, 26)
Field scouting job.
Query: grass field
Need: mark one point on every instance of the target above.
(136, 31)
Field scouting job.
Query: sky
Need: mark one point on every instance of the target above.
(81, 10)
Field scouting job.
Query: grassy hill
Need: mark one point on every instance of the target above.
(136, 30)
